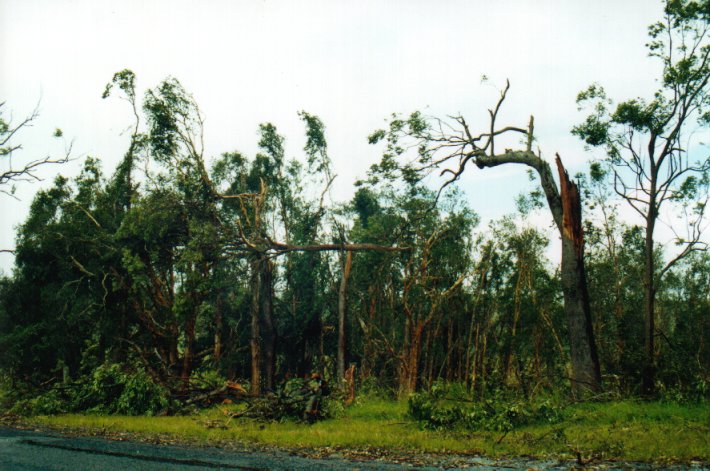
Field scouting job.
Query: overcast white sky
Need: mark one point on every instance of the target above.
(352, 63)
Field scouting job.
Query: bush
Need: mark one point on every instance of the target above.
(698, 390)
(49, 403)
(438, 410)
(112, 390)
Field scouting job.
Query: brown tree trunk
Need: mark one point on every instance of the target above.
(449, 348)
(649, 362)
(585, 361)
(414, 352)
(472, 369)
(255, 341)
(343, 314)
(218, 325)
(268, 334)
(188, 354)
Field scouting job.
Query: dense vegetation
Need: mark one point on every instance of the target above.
(136, 288)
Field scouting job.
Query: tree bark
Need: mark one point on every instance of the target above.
(218, 326)
(268, 336)
(583, 349)
(649, 362)
(343, 314)
(255, 341)
(188, 354)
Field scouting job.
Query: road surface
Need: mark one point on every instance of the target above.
(45, 451)
(26, 450)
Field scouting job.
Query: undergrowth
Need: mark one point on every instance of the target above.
(446, 407)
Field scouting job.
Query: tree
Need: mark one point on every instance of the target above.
(441, 144)
(648, 146)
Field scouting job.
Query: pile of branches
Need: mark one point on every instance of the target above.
(297, 398)
(229, 393)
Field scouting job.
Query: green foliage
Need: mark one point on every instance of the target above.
(124, 80)
(446, 407)
(49, 403)
(110, 389)
(171, 113)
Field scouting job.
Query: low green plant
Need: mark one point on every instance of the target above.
(49, 403)
(446, 408)
(109, 389)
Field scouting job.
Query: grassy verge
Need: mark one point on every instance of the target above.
(624, 431)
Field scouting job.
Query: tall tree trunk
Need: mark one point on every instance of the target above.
(413, 358)
(449, 348)
(218, 326)
(649, 288)
(263, 331)
(343, 314)
(586, 374)
(189, 352)
(268, 336)
(255, 341)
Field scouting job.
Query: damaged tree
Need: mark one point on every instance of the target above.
(441, 144)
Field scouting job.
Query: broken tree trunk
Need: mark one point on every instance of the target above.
(585, 360)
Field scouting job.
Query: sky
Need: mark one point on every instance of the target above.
(351, 63)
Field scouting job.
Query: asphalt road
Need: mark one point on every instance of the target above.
(28, 450)
(25, 450)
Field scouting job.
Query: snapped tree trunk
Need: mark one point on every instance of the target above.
(586, 374)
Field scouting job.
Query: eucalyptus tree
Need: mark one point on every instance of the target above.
(239, 212)
(403, 298)
(650, 150)
(57, 284)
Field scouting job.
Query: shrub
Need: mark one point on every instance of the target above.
(113, 390)
(438, 410)
(48, 403)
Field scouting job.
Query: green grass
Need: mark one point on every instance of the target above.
(627, 430)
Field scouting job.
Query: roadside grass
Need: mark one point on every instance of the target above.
(619, 431)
